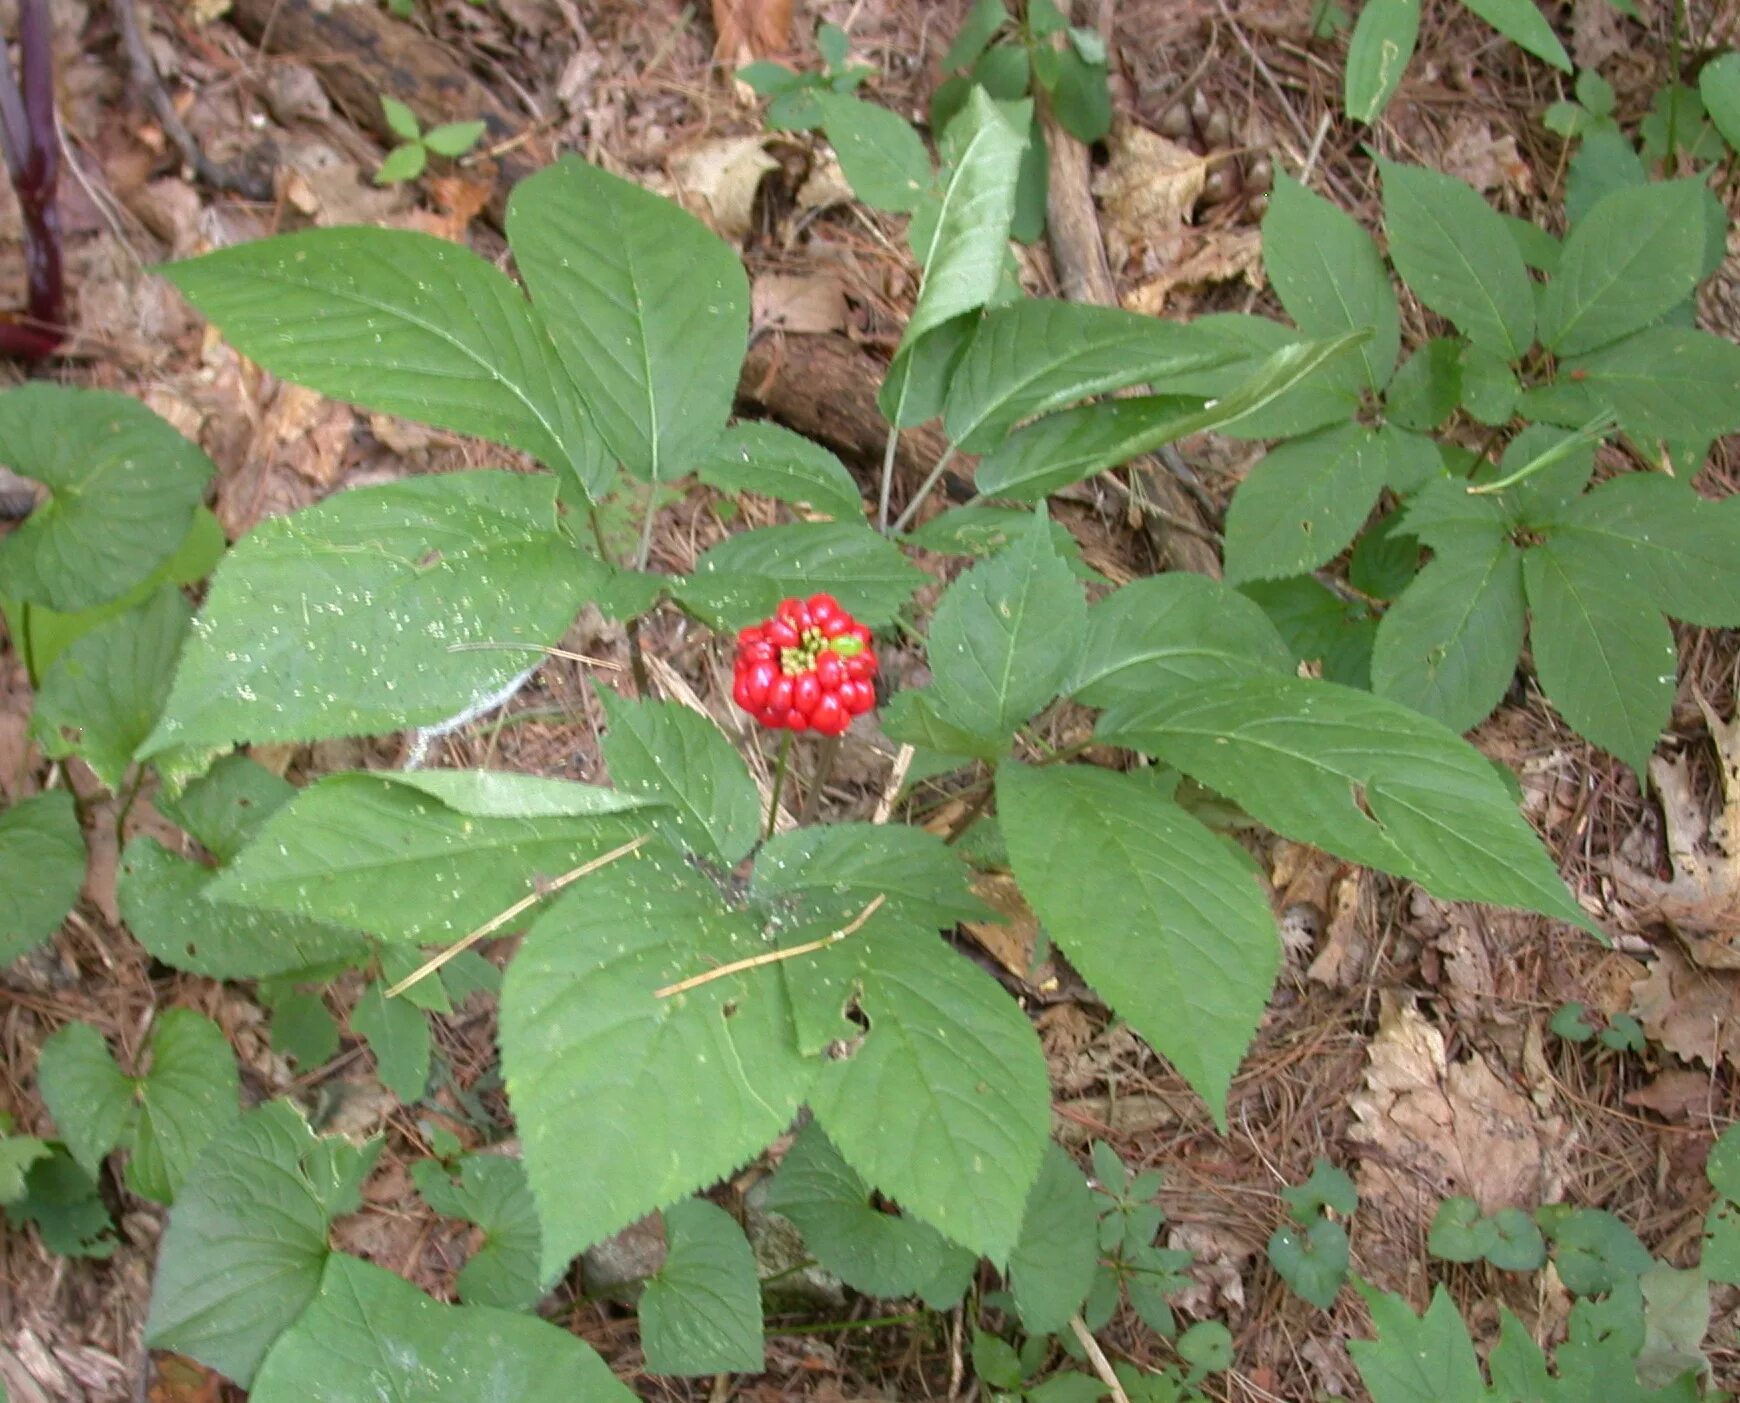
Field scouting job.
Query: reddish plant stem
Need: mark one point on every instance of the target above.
(31, 146)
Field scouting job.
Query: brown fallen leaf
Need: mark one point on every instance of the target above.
(717, 179)
(1147, 192)
(1011, 941)
(1437, 1128)
(1222, 257)
(1677, 1095)
(1694, 1013)
(750, 29)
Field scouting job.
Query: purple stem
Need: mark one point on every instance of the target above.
(31, 145)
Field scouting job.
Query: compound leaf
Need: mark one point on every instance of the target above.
(701, 1311)
(1665, 382)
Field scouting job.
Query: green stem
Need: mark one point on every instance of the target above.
(824, 768)
(924, 490)
(1592, 432)
(778, 782)
(27, 644)
(887, 479)
(643, 551)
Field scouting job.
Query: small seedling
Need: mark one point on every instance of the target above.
(408, 160)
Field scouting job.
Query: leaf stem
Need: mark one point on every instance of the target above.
(887, 478)
(959, 827)
(925, 489)
(1592, 432)
(778, 783)
(27, 643)
(824, 768)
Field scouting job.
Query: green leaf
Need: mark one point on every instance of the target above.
(1311, 1260)
(1453, 250)
(42, 867)
(246, 1240)
(878, 1253)
(347, 618)
(1038, 355)
(1168, 629)
(452, 139)
(1385, 559)
(944, 1105)
(1676, 1316)
(701, 1311)
(17, 1154)
(983, 20)
(1539, 249)
(90, 1098)
(1418, 1359)
(163, 901)
(188, 1097)
(1383, 42)
(66, 1207)
(101, 697)
(980, 530)
(844, 865)
(1489, 387)
(1053, 1264)
(642, 1099)
(1521, 23)
(303, 1030)
(1448, 647)
(1427, 386)
(122, 490)
(1318, 627)
(912, 717)
(1593, 1251)
(406, 324)
(739, 581)
(1065, 448)
(1451, 519)
(377, 852)
(1358, 776)
(1326, 397)
(1517, 1244)
(1160, 917)
(1327, 270)
(397, 1032)
(1558, 467)
(882, 156)
(1459, 1232)
(1667, 382)
(995, 1361)
(676, 757)
(402, 163)
(1635, 255)
(225, 807)
(1719, 86)
(372, 1337)
(401, 120)
(1663, 540)
(1004, 636)
(1604, 654)
(1303, 503)
(491, 1191)
(774, 462)
(1327, 1188)
(1081, 95)
(648, 308)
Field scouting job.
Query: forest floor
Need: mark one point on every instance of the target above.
(1408, 1039)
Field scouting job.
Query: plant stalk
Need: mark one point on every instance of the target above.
(824, 768)
(30, 142)
(779, 767)
(925, 490)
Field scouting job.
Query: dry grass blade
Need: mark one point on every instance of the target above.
(773, 957)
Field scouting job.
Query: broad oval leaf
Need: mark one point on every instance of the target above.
(1453, 250)
(883, 158)
(1039, 355)
(188, 1097)
(701, 1311)
(648, 307)
(1358, 776)
(1383, 42)
(355, 616)
(1719, 86)
(1052, 1267)
(641, 1099)
(1636, 255)
(1304, 502)
(122, 491)
(1524, 25)
(1168, 629)
(89, 1096)
(42, 866)
(397, 1033)
(915, 873)
(404, 323)
(774, 462)
(739, 581)
(1164, 921)
(1666, 382)
(370, 1336)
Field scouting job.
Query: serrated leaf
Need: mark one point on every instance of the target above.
(188, 1097)
(123, 487)
(402, 163)
(303, 1030)
(1004, 636)
(376, 852)
(1053, 1264)
(980, 530)
(1077, 443)
(1490, 389)
(1453, 250)
(918, 876)
(1418, 1359)
(452, 139)
(911, 717)
(1318, 627)
(397, 1032)
(88, 1095)
(1659, 537)
(1719, 86)
(163, 901)
(225, 807)
(1167, 629)
(66, 1208)
(1303, 503)
(1666, 382)
(347, 617)
(1452, 520)
(1038, 355)
(101, 697)
(407, 324)
(1311, 1259)
(678, 758)
(1358, 776)
(1448, 646)
(1164, 922)
(1327, 270)
(491, 1191)
(1385, 559)
(740, 580)
(774, 462)
(1524, 25)
(1604, 654)
(701, 1311)
(642, 1099)
(882, 156)
(372, 1337)
(42, 867)
(647, 306)
(1427, 386)
(944, 1106)
(1635, 255)
(878, 1253)
(1383, 42)
(1325, 398)
(1558, 468)
(17, 1154)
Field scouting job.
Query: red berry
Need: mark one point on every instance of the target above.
(830, 717)
(823, 607)
(746, 636)
(809, 667)
(806, 691)
(858, 697)
(740, 691)
(795, 720)
(779, 694)
(837, 625)
(759, 677)
(781, 634)
(829, 670)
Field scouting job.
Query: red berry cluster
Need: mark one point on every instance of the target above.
(808, 668)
